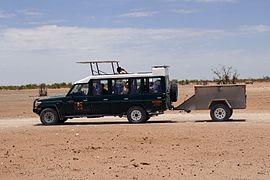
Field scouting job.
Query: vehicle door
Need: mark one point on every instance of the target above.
(120, 96)
(153, 95)
(100, 97)
(76, 102)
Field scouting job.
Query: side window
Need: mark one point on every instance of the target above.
(99, 87)
(80, 90)
(135, 86)
(120, 86)
(154, 85)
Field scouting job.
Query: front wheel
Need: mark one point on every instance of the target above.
(220, 112)
(136, 114)
(49, 116)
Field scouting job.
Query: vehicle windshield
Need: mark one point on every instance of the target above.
(79, 90)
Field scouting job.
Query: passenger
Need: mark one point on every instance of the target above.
(126, 89)
(94, 91)
(133, 87)
(151, 87)
(118, 87)
(157, 87)
(104, 90)
(121, 70)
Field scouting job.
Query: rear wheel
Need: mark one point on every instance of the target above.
(49, 116)
(220, 112)
(136, 114)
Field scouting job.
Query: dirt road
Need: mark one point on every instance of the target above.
(172, 146)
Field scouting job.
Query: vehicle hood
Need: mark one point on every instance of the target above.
(52, 98)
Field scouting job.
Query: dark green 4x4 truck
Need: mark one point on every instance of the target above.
(138, 96)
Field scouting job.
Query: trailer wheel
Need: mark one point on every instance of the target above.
(49, 116)
(136, 114)
(220, 112)
(174, 92)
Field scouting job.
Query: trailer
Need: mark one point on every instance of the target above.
(220, 99)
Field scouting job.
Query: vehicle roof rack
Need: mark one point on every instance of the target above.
(160, 66)
(96, 69)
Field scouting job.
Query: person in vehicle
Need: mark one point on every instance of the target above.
(126, 89)
(104, 91)
(151, 87)
(157, 87)
(121, 70)
(118, 87)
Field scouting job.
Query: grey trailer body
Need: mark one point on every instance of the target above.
(220, 99)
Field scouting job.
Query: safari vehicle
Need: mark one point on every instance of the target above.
(139, 96)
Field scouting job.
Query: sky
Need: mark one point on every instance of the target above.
(40, 41)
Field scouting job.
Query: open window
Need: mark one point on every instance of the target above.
(100, 87)
(79, 90)
(120, 86)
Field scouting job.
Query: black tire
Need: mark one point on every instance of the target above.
(220, 112)
(136, 114)
(49, 116)
(174, 92)
(62, 120)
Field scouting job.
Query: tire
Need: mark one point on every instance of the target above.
(174, 92)
(136, 114)
(147, 118)
(62, 120)
(49, 116)
(220, 112)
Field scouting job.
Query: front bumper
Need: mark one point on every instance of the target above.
(36, 109)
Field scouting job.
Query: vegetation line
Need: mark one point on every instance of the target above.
(37, 86)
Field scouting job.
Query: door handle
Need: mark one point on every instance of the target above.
(105, 99)
(85, 100)
(158, 97)
(125, 99)
(70, 101)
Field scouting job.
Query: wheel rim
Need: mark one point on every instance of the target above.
(220, 113)
(136, 115)
(49, 117)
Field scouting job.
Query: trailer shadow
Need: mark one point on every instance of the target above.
(110, 123)
(228, 121)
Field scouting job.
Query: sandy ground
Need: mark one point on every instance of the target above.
(171, 146)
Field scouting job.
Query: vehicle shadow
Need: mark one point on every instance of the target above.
(110, 123)
(228, 121)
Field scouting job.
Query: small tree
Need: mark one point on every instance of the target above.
(225, 75)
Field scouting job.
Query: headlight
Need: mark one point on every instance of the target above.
(37, 103)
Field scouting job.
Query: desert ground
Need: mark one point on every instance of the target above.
(175, 145)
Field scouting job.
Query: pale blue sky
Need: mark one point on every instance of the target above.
(42, 40)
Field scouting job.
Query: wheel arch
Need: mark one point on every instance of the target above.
(52, 107)
(133, 105)
(219, 101)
